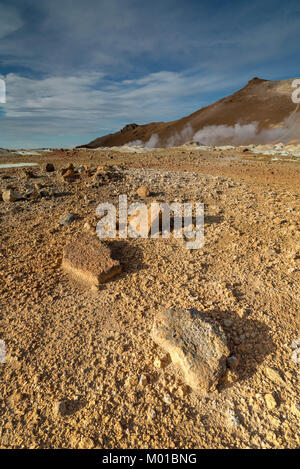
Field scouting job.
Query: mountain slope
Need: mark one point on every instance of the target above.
(259, 111)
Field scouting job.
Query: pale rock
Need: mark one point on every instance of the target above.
(195, 343)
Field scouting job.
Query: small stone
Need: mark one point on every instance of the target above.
(69, 175)
(59, 408)
(227, 322)
(270, 401)
(143, 381)
(158, 363)
(86, 443)
(232, 362)
(67, 219)
(167, 398)
(274, 376)
(10, 195)
(88, 227)
(295, 408)
(143, 191)
(183, 390)
(49, 167)
(151, 414)
(162, 362)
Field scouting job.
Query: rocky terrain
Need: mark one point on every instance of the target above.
(96, 366)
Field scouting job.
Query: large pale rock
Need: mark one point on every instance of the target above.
(89, 261)
(195, 343)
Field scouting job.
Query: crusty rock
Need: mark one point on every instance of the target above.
(195, 343)
(89, 261)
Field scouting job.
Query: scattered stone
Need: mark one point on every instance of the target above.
(89, 261)
(167, 399)
(151, 414)
(10, 195)
(143, 191)
(227, 322)
(270, 401)
(59, 408)
(274, 376)
(49, 167)
(195, 343)
(88, 227)
(86, 443)
(162, 362)
(232, 362)
(183, 390)
(28, 173)
(69, 176)
(67, 219)
(70, 167)
(143, 381)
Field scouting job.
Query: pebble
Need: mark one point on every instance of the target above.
(270, 401)
(167, 398)
(232, 362)
(143, 381)
(67, 219)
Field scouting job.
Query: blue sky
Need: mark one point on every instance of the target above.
(76, 70)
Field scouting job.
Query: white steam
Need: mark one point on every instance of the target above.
(238, 134)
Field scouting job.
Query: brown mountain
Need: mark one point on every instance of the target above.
(262, 111)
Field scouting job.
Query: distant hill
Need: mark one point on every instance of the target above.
(261, 112)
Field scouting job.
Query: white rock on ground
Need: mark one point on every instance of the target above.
(195, 343)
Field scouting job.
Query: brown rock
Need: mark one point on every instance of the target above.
(49, 167)
(143, 191)
(69, 175)
(194, 343)
(89, 261)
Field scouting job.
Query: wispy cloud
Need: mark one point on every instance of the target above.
(61, 105)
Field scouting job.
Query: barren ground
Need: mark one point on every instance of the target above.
(89, 348)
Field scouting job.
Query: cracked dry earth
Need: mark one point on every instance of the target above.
(82, 370)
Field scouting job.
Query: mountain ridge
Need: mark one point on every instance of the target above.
(257, 111)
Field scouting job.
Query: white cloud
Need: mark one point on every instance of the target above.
(94, 103)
